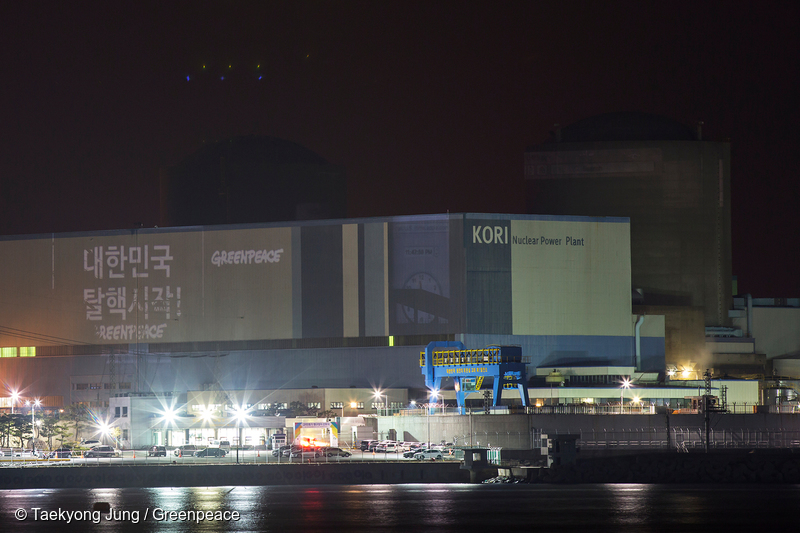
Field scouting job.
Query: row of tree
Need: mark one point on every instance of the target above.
(52, 429)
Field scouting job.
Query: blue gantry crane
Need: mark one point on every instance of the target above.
(450, 359)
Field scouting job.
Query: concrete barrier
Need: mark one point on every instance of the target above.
(121, 476)
(758, 466)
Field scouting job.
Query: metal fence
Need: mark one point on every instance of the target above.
(591, 410)
(644, 409)
(645, 438)
(685, 438)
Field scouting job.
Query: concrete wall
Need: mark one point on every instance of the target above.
(518, 431)
(777, 331)
(232, 475)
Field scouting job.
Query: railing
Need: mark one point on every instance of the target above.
(784, 409)
(590, 410)
(644, 409)
(742, 408)
(685, 438)
(491, 355)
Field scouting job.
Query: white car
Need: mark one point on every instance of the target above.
(306, 453)
(422, 455)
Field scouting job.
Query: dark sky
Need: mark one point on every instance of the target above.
(428, 105)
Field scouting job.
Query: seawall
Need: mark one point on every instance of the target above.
(113, 476)
(757, 466)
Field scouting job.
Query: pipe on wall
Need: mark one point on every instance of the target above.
(638, 345)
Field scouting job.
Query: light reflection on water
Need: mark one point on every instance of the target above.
(413, 508)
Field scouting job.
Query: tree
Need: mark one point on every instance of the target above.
(327, 414)
(299, 408)
(63, 431)
(5, 430)
(20, 427)
(79, 415)
(46, 428)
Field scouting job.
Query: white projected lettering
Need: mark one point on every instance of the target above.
(120, 303)
(113, 301)
(130, 332)
(245, 257)
(113, 261)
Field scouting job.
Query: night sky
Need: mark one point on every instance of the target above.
(428, 105)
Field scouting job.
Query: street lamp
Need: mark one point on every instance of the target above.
(169, 419)
(105, 431)
(33, 405)
(626, 384)
(14, 398)
(379, 396)
(241, 415)
(434, 396)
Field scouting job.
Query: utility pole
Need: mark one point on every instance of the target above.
(707, 406)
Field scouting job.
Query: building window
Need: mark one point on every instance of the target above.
(124, 412)
(8, 352)
(314, 405)
(95, 386)
(27, 351)
(337, 405)
(81, 386)
(116, 412)
(360, 405)
(124, 434)
(125, 385)
(108, 386)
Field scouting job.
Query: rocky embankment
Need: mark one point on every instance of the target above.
(757, 466)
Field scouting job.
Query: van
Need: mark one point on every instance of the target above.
(186, 449)
(225, 444)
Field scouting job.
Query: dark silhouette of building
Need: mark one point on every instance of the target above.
(674, 187)
(249, 180)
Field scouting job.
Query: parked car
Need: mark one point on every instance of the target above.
(410, 453)
(388, 447)
(102, 451)
(61, 453)
(225, 444)
(18, 453)
(186, 449)
(157, 451)
(291, 449)
(336, 452)
(280, 451)
(428, 453)
(210, 452)
(365, 444)
(90, 443)
(306, 453)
